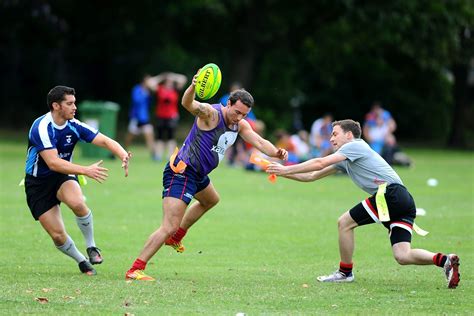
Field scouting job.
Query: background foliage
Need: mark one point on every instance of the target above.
(297, 58)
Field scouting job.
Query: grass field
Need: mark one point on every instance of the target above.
(258, 252)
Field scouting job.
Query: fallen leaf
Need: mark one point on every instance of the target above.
(41, 300)
(78, 291)
(29, 291)
(68, 297)
(305, 285)
(46, 290)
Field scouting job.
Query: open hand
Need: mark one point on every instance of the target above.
(97, 172)
(276, 168)
(125, 161)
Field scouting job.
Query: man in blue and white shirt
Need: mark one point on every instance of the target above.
(50, 173)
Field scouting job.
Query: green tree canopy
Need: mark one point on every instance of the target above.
(329, 56)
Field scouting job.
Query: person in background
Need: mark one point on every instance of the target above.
(379, 127)
(320, 134)
(283, 140)
(139, 115)
(300, 141)
(168, 87)
(50, 174)
(378, 130)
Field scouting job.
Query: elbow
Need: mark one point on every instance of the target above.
(54, 166)
(186, 103)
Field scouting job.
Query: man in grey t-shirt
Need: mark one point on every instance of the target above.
(390, 203)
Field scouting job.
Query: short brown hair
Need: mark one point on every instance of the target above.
(57, 95)
(349, 126)
(242, 95)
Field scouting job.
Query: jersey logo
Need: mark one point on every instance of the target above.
(68, 140)
(225, 141)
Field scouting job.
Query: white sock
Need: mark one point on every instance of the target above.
(69, 249)
(86, 225)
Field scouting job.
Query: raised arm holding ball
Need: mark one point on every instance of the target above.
(185, 176)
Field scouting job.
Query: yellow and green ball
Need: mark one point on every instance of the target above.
(208, 81)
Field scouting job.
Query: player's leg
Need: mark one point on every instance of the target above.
(359, 215)
(71, 194)
(205, 200)
(173, 211)
(149, 137)
(53, 224)
(402, 214)
(171, 131)
(131, 133)
(346, 227)
(159, 142)
(128, 140)
(404, 255)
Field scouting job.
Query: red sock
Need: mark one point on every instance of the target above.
(345, 268)
(138, 265)
(179, 234)
(439, 259)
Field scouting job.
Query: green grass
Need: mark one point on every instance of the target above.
(258, 251)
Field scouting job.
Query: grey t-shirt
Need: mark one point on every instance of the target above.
(365, 167)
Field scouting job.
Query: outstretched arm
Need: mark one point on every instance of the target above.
(94, 171)
(315, 164)
(204, 111)
(251, 137)
(312, 176)
(114, 147)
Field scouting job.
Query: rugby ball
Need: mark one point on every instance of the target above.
(208, 81)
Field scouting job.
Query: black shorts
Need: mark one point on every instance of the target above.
(166, 126)
(41, 192)
(401, 208)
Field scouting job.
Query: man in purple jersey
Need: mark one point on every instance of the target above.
(50, 174)
(185, 177)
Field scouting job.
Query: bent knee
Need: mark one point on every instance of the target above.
(170, 228)
(401, 258)
(345, 222)
(58, 237)
(78, 207)
(210, 203)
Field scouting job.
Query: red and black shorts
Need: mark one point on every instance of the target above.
(41, 192)
(165, 129)
(401, 208)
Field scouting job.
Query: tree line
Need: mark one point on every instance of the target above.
(305, 57)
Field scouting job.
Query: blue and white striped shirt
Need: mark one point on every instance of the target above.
(45, 134)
